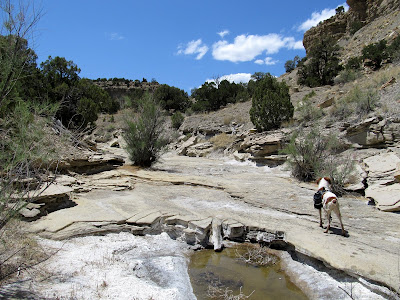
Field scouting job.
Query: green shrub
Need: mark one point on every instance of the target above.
(374, 54)
(171, 97)
(25, 150)
(347, 75)
(88, 110)
(394, 49)
(307, 111)
(364, 101)
(144, 133)
(354, 63)
(270, 104)
(313, 155)
(307, 153)
(290, 65)
(341, 110)
(357, 101)
(355, 26)
(177, 119)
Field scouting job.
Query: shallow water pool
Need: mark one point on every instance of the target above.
(224, 271)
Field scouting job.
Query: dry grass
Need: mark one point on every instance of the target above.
(216, 291)
(18, 252)
(222, 141)
(258, 256)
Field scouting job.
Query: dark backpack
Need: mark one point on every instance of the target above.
(318, 199)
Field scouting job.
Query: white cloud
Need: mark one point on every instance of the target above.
(269, 61)
(317, 17)
(223, 33)
(114, 36)
(236, 78)
(194, 47)
(248, 47)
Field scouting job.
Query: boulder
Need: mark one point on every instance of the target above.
(47, 199)
(356, 179)
(182, 149)
(199, 150)
(327, 103)
(91, 163)
(241, 156)
(387, 198)
(262, 144)
(201, 229)
(381, 168)
(372, 132)
(233, 230)
(382, 185)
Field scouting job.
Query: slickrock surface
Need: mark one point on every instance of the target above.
(182, 195)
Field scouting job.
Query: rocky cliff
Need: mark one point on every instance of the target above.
(360, 14)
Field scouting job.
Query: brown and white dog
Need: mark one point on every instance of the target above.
(329, 203)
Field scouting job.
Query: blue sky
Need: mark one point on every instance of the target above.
(177, 42)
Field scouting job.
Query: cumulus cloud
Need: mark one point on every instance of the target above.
(194, 47)
(269, 61)
(317, 17)
(236, 78)
(223, 33)
(248, 47)
(114, 36)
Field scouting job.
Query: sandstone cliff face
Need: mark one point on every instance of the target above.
(361, 13)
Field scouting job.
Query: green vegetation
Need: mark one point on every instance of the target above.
(213, 95)
(270, 104)
(171, 98)
(339, 10)
(347, 75)
(355, 26)
(313, 155)
(290, 65)
(321, 65)
(374, 54)
(177, 119)
(307, 111)
(144, 133)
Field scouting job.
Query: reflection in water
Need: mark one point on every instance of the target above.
(224, 270)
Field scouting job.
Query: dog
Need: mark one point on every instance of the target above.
(329, 202)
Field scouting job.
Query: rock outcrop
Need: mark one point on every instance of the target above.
(90, 163)
(48, 198)
(360, 13)
(374, 132)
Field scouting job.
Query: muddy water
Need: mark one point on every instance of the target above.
(226, 271)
